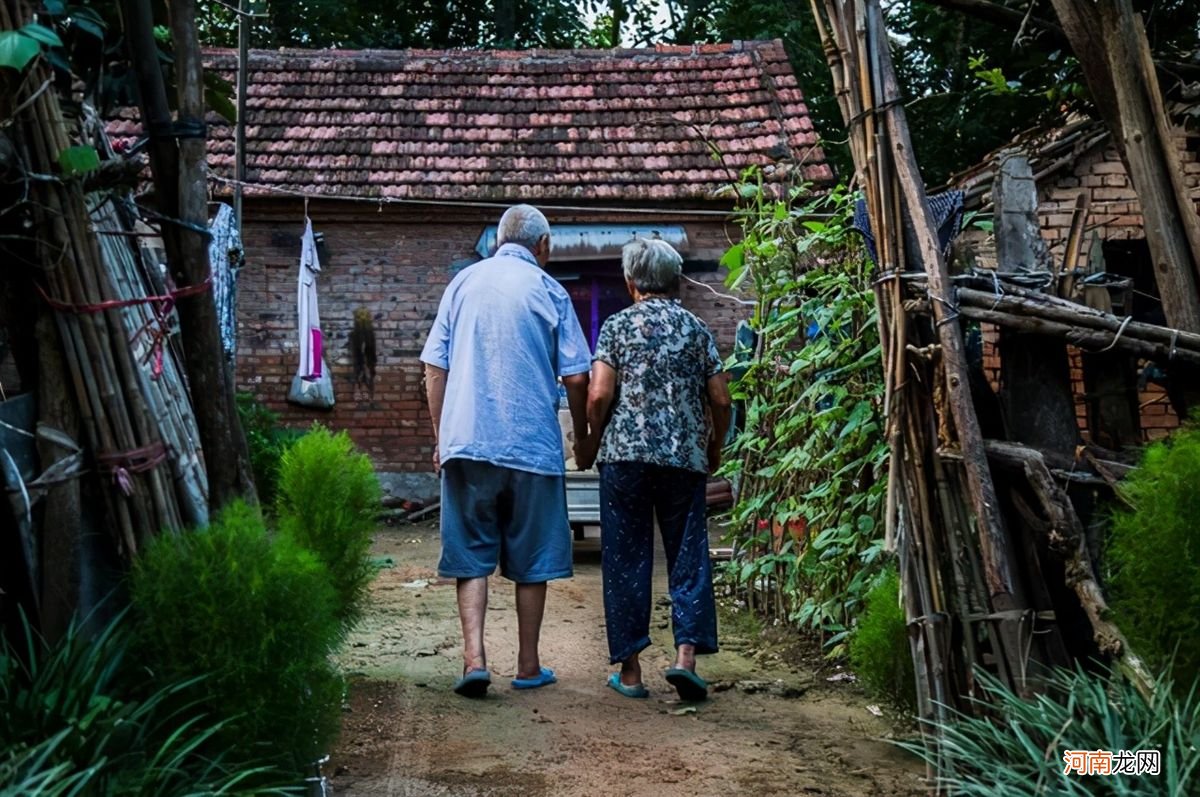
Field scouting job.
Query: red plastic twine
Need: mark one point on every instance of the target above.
(122, 464)
(156, 326)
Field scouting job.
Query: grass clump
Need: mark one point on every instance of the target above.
(1153, 556)
(879, 647)
(329, 501)
(256, 616)
(1014, 746)
(79, 717)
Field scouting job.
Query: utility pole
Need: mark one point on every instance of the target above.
(243, 63)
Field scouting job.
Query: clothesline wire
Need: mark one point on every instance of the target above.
(473, 203)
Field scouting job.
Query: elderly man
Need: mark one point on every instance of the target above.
(505, 331)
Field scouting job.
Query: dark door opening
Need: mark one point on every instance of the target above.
(597, 290)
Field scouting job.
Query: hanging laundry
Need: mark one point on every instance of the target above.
(312, 385)
(226, 257)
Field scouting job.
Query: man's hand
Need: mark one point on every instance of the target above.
(437, 460)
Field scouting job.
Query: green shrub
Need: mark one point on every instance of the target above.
(266, 440)
(79, 717)
(1153, 556)
(254, 613)
(1015, 745)
(329, 502)
(879, 648)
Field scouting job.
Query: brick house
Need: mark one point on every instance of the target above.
(1077, 159)
(407, 160)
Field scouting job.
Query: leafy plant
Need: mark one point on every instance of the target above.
(811, 452)
(1153, 555)
(328, 502)
(267, 440)
(879, 649)
(1014, 745)
(256, 615)
(19, 47)
(79, 715)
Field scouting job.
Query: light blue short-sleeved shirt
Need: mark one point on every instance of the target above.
(505, 330)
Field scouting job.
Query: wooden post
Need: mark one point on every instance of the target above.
(1035, 373)
(1110, 43)
(177, 159)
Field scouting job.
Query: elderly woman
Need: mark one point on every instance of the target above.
(658, 407)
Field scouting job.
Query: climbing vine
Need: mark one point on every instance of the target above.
(810, 454)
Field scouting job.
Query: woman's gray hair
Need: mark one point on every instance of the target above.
(522, 224)
(652, 265)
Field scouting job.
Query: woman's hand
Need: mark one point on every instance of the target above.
(714, 455)
(585, 452)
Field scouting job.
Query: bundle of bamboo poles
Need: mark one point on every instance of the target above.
(166, 392)
(973, 587)
(964, 584)
(124, 435)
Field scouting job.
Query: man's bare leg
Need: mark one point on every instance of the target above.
(472, 609)
(531, 605)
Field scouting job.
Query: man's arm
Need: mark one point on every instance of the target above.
(601, 392)
(435, 393)
(720, 404)
(577, 394)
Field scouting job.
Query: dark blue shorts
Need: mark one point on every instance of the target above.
(493, 515)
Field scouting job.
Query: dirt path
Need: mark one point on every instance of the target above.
(770, 729)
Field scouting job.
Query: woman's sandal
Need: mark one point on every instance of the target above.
(691, 687)
(637, 690)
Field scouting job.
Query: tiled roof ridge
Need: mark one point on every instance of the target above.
(535, 53)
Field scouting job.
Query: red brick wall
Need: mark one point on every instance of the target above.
(395, 262)
(1115, 214)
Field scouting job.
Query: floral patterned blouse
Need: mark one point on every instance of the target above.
(663, 356)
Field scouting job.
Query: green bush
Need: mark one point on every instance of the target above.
(266, 440)
(879, 648)
(1153, 556)
(329, 502)
(1014, 746)
(79, 717)
(254, 613)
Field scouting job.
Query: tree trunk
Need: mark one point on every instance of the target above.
(506, 23)
(177, 159)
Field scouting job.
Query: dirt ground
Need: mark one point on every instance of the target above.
(769, 727)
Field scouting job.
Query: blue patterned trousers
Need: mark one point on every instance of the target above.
(632, 494)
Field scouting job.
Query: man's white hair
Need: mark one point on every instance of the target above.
(651, 264)
(522, 224)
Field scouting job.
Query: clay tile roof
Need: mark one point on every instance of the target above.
(541, 124)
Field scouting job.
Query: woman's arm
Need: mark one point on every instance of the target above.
(602, 389)
(719, 402)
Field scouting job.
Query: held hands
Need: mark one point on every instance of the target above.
(585, 451)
